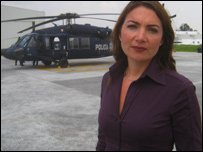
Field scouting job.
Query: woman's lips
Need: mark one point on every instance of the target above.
(138, 48)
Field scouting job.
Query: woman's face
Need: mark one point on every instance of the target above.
(141, 34)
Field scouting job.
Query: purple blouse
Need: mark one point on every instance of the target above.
(160, 110)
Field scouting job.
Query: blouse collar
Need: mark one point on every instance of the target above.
(154, 72)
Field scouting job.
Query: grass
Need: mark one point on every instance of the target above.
(186, 48)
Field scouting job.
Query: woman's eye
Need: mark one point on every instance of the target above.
(132, 26)
(152, 30)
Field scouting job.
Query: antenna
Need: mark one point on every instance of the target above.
(33, 25)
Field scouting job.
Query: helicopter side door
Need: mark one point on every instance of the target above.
(102, 47)
(33, 48)
(57, 44)
(59, 47)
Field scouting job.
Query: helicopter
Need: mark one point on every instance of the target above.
(58, 44)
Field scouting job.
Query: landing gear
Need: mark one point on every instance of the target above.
(35, 63)
(21, 62)
(63, 62)
(47, 63)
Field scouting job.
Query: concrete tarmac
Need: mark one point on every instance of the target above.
(54, 109)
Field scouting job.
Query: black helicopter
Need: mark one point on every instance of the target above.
(59, 43)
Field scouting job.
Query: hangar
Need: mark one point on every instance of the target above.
(188, 38)
(9, 31)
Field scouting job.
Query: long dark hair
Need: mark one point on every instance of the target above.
(164, 55)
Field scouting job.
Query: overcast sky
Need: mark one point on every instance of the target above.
(189, 12)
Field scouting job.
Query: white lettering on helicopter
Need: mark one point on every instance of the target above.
(101, 47)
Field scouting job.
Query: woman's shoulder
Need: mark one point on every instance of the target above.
(175, 78)
(106, 77)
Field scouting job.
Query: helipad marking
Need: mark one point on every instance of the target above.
(72, 69)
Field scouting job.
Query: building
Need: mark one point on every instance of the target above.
(9, 30)
(188, 38)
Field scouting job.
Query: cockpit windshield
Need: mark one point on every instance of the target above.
(23, 42)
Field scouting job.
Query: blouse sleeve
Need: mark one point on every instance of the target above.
(186, 121)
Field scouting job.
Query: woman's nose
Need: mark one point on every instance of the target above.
(140, 35)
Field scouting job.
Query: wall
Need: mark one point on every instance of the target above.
(9, 30)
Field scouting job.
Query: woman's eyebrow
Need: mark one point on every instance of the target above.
(149, 25)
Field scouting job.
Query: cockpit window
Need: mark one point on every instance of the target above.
(23, 42)
(33, 42)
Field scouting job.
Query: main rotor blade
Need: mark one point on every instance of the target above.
(99, 14)
(29, 28)
(173, 16)
(63, 16)
(29, 18)
(99, 19)
(60, 17)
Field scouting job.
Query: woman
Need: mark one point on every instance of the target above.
(145, 103)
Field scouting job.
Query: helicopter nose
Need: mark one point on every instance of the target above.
(13, 54)
(3, 51)
(7, 53)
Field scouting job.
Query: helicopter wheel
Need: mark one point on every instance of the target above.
(47, 63)
(63, 62)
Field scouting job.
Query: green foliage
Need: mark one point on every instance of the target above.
(185, 27)
(186, 48)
